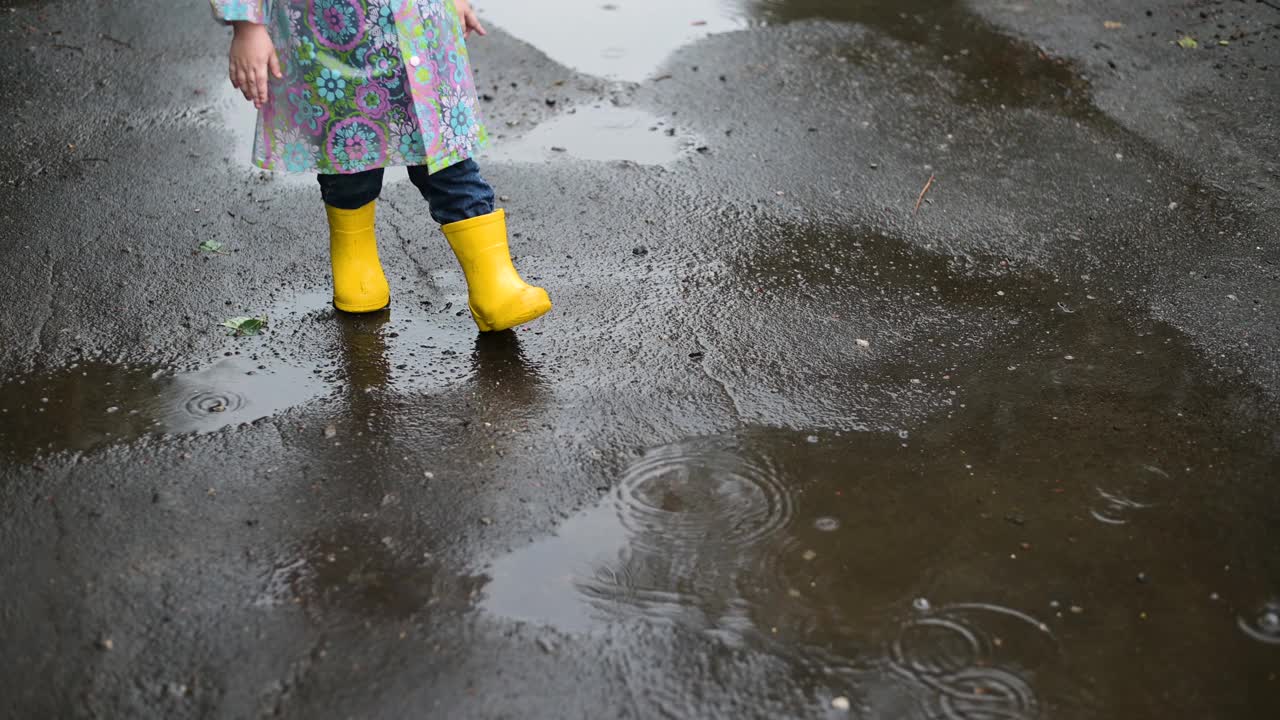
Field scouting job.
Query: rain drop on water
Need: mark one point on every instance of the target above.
(1264, 624)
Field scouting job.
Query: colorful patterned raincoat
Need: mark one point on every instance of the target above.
(367, 84)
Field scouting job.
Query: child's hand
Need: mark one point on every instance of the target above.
(469, 20)
(253, 55)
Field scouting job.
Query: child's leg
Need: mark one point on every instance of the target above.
(455, 193)
(462, 202)
(359, 285)
(351, 192)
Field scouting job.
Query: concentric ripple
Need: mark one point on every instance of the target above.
(987, 694)
(971, 657)
(704, 492)
(1116, 504)
(206, 402)
(1263, 625)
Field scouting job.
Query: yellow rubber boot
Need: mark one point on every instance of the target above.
(499, 298)
(359, 285)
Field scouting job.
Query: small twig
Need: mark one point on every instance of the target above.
(920, 199)
(124, 43)
(64, 46)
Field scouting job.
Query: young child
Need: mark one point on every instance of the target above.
(345, 88)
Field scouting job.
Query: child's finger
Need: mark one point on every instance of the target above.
(273, 64)
(240, 82)
(260, 84)
(475, 23)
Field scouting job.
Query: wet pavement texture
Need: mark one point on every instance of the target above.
(787, 447)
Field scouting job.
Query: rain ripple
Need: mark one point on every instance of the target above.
(974, 659)
(1116, 504)
(708, 491)
(1264, 624)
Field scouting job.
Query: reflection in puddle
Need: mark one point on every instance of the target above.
(424, 346)
(91, 404)
(600, 133)
(618, 39)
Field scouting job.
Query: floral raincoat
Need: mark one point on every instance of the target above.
(367, 84)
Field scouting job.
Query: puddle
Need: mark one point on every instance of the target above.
(91, 404)
(631, 41)
(601, 133)
(617, 39)
(308, 351)
(959, 565)
(731, 537)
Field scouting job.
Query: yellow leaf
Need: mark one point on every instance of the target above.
(1112, 25)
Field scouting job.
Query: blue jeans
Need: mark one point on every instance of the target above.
(454, 193)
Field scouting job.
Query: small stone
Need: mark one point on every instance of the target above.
(113, 409)
(808, 555)
(547, 646)
(486, 521)
(106, 644)
(812, 439)
(1142, 577)
(840, 703)
(330, 430)
(1076, 610)
(921, 604)
(863, 343)
(428, 474)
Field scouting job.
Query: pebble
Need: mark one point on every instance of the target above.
(862, 343)
(840, 703)
(808, 555)
(921, 604)
(106, 644)
(330, 430)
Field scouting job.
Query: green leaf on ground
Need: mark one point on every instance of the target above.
(1223, 43)
(211, 246)
(1188, 42)
(246, 325)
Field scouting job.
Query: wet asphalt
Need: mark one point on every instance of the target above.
(788, 446)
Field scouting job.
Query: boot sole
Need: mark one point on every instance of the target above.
(361, 309)
(519, 320)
